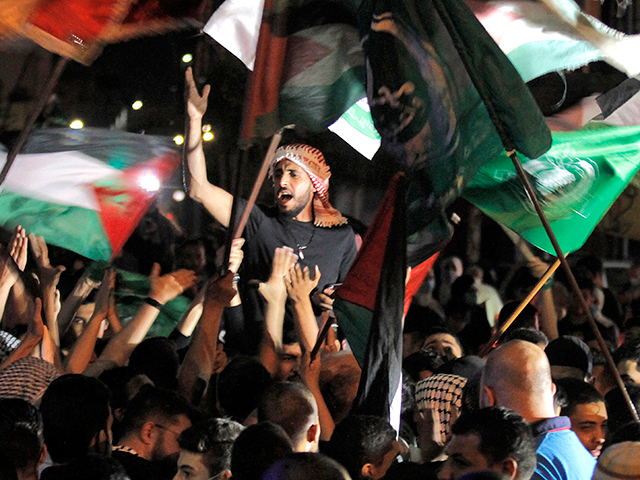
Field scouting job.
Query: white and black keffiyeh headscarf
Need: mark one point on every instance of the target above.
(440, 393)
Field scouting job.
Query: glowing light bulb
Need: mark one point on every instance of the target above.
(178, 195)
(206, 128)
(137, 105)
(178, 139)
(76, 124)
(187, 57)
(149, 182)
(207, 136)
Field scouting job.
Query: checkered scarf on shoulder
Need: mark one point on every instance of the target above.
(440, 393)
(312, 162)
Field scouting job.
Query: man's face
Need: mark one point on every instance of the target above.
(292, 187)
(589, 422)
(289, 367)
(464, 457)
(167, 447)
(628, 370)
(444, 345)
(191, 466)
(379, 471)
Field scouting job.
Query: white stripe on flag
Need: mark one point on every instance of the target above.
(65, 178)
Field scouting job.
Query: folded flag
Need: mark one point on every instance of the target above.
(85, 190)
(576, 182)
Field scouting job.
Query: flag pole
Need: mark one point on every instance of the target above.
(510, 148)
(503, 328)
(42, 98)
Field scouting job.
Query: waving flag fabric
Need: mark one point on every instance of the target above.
(85, 190)
(576, 181)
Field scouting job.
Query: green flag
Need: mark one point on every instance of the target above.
(576, 182)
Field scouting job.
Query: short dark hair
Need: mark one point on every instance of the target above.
(158, 359)
(290, 405)
(153, 403)
(629, 350)
(257, 448)
(578, 392)
(75, 409)
(95, 467)
(305, 465)
(21, 434)
(528, 335)
(214, 438)
(503, 434)
(360, 439)
(617, 409)
(240, 386)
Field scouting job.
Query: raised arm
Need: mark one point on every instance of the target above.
(199, 362)
(544, 301)
(49, 277)
(163, 289)
(299, 287)
(34, 335)
(274, 292)
(216, 200)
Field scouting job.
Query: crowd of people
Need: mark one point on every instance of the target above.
(234, 390)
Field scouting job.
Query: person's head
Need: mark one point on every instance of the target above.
(365, 445)
(438, 403)
(626, 358)
(517, 376)
(631, 329)
(417, 325)
(528, 318)
(493, 438)
(257, 448)
(592, 266)
(617, 407)
(153, 422)
(300, 184)
(569, 357)
(157, 358)
(293, 407)
(290, 357)
(95, 467)
(301, 466)
(619, 461)
(21, 439)
(528, 335)
(422, 364)
(192, 255)
(27, 378)
(205, 450)
(444, 343)
(240, 386)
(77, 417)
(451, 268)
(587, 412)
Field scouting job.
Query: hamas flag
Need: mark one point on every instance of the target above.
(576, 182)
(85, 190)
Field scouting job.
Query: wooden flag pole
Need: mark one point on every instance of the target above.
(503, 328)
(43, 96)
(572, 280)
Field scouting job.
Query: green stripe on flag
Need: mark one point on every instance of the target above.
(357, 328)
(60, 225)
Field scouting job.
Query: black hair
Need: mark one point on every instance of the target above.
(214, 438)
(360, 439)
(503, 434)
(257, 448)
(420, 361)
(158, 359)
(629, 350)
(153, 403)
(95, 467)
(617, 408)
(240, 386)
(75, 409)
(298, 466)
(290, 405)
(21, 435)
(528, 335)
(578, 392)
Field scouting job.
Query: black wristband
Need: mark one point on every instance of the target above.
(153, 302)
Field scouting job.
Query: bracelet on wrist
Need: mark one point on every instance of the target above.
(154, 303)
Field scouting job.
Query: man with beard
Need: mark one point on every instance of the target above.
(152, 424)
(303, 219)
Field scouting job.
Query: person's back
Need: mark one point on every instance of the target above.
(517, 375)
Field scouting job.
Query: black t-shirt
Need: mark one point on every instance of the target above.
(331, 249)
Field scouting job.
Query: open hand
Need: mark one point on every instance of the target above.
(167, 287)
(236, 255)
(47, 274)
(17, 247)
(220, 290)
(300, 284)
(274, 288)
(196, 103)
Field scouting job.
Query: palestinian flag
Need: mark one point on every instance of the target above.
(85, 190)
(369, 304)
(308, 68)
(576, 182)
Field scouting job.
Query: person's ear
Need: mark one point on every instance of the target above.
(313, 433)
(487, 397)
(509, 467)
(148, 432)
(43, 455)
(368, 470)
(226, 475)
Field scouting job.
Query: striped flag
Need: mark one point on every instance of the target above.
(85, 190)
